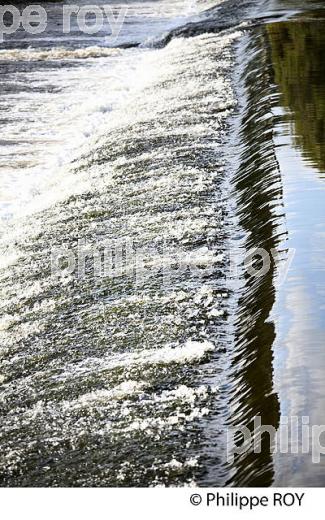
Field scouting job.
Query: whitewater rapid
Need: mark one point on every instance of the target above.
(114, 378)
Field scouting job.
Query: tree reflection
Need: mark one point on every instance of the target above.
(297, 49)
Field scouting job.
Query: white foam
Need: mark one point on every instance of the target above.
(6, 322)
(121, 391)
(57, 53)
(175, 464)
(151, 425)
(191, 351)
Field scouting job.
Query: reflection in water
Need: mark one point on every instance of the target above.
(279, 362)
(258, 190)
(297, 56)
(297, 50)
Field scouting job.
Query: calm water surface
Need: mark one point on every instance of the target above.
(280, 188)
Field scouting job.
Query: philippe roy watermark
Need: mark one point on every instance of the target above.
(295, 435)
(86, 19)
(115, 258)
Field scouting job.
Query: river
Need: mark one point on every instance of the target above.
(135, 174)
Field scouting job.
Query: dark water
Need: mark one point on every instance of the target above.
(279, 185)
(297, 53)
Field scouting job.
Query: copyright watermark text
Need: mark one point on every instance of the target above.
(87, 19)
